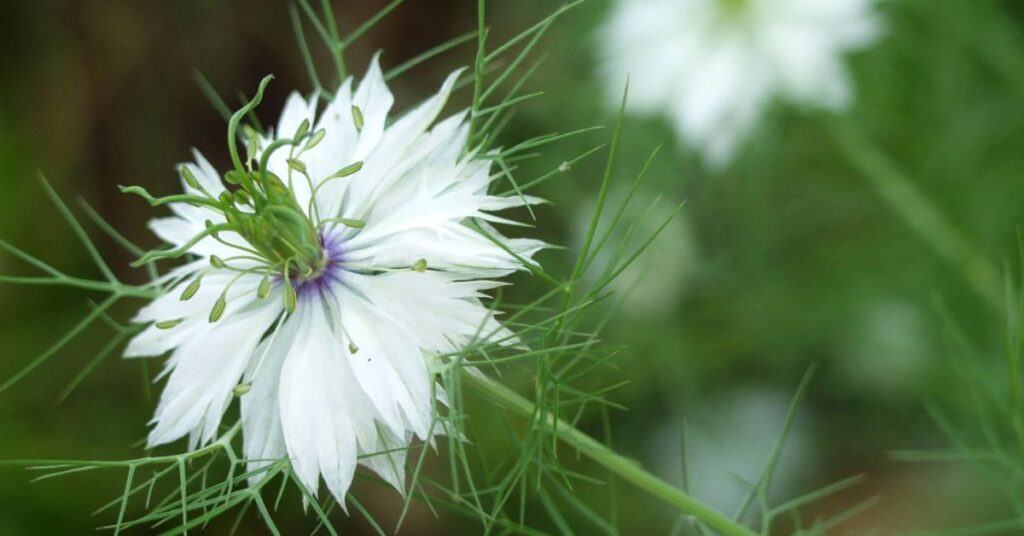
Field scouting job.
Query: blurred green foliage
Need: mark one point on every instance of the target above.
(786, 259)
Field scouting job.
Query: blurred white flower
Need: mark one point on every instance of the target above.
(729, 442)
(886, 349)
(711, 66)
(650, 288)
(328, 285)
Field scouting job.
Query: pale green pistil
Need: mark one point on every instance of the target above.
(284, 237)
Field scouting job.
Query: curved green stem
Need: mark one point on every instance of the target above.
(623, 467)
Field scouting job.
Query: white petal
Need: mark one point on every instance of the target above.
(205, 370)
(388, 365)
(323, 411)
(261, 417)
(374, 100)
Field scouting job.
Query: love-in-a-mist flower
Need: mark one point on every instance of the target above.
(347, 255)
(711, 66)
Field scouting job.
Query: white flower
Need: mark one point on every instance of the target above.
(325, 292)
(711, 66)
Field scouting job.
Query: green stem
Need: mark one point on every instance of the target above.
(119, 289)
(620, 465)
(223, 442)
(911, 204)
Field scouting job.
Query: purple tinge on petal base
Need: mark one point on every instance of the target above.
(330, 275)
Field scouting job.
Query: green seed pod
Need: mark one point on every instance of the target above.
(357, 117)
(168, 324)
(191, 289)
(218, 308)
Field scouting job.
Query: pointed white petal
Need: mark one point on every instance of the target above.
(324, 414)
(261, 417)
(205, 370)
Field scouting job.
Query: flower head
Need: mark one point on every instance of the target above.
(346, 256)
(711, 66)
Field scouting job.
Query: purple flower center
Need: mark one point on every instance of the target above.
(320, 282)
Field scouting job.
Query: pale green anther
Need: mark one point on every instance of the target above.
(318, 137)
(297, 165)
(209, 223)
(241, 389)
(302, 130)
(233, 177)
(191, 289)
(348, 170)
(290, 298)
(264, 289)
(420, 266)
(252, 138)
(734, 7)
(357, 117)
(250, 132)
(168, 324)
(355, 224)
(190, 179)
(242, 197)
(216, 262)
(226, 198)
(352, 348)
(218, 308)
